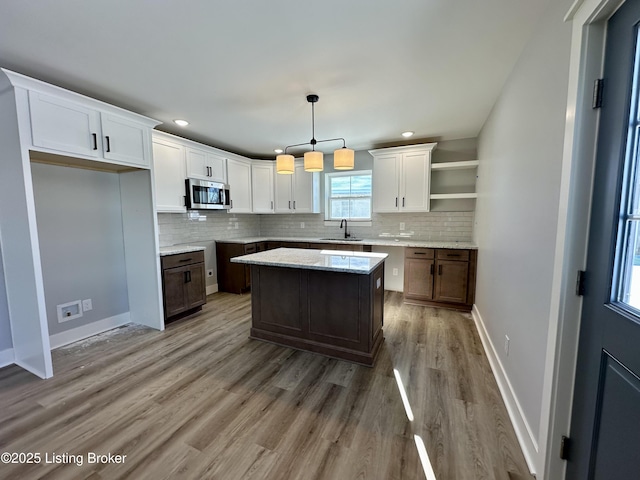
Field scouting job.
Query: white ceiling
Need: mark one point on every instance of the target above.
(239, 70)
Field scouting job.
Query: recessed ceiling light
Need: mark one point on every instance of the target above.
(182, 123)
(407, 134)
(278, 150)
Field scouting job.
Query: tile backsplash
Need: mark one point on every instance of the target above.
(195, 227)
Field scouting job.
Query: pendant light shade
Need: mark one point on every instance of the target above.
(313, 161)
(284, 164)
(343, 159)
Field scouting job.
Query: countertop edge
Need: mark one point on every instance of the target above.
(178, 249)
(380, 242)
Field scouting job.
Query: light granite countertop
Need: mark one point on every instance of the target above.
(380, 242)
(329, 260)
(177, 249)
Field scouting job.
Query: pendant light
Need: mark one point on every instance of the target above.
(343, 158)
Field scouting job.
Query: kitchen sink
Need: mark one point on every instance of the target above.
(342, 239)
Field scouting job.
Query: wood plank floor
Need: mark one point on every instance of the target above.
(201, 400)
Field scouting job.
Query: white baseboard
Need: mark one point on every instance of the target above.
(80, 333)
(212, 288)
(7, 357)
(527, 439)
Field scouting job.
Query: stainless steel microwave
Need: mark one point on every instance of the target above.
(203, 194)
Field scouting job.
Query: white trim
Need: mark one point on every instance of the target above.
(585, 64)
(7, 357)
(525, 435)
(80, 333)
(212, 288)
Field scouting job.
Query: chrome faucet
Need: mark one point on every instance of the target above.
(344, 221)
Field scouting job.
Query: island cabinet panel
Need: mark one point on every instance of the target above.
(183, 284)
(331, 313)
(440, 277)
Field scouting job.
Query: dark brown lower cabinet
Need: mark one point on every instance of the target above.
(183, 284)
(440, 277)
(234, 277)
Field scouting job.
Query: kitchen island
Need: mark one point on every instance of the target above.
(323, 301)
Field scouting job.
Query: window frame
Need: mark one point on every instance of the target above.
(327, 197)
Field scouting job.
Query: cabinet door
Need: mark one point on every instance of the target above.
(451, 283)
(239, 174)
(418, 278)
(414, 191)
(197, 166)
(169, 174)
(386, 181)
(67, 127)
(303, 190)
(262, 187)
(217, 168)
(283, 193)
(173, 280)
(125, 141)
(195, 288)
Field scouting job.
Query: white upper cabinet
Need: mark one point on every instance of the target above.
(206, 165)
(169, 174)
(283, 193)
(297, 193)
(79, 127)
(239, 175)
(64, 126)
(305, 190)
(262, 186)
(401, 178)
(125, 141)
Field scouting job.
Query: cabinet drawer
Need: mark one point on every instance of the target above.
(182, 259)
(452, 254)
(425, 253)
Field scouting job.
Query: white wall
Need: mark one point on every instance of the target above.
(520, 152)
(81, 242)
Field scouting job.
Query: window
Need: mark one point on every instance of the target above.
(348, 195)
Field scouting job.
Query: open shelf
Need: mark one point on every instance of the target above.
(445, 196)
(455, 165)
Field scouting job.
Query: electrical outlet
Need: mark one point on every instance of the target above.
(210, 273)
(301, 224)
(69, 311)
(506, 345)
(395, 272)
(87, 305)
(401, 225)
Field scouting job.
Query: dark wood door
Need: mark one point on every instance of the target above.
(451, 281)
(605, 423)
(418, 278)
(174, 293)
(195, 287)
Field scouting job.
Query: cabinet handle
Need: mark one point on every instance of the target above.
(403, 201)
(453, 254)
(431, 271)
(439, 269)
(396, 201)
(294, 204)
(231, 203)
(108, 143)
(289, 204)
(185, 260)
(419, 253)
(187, 276)
(271, 204)
(95, 141)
